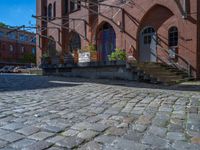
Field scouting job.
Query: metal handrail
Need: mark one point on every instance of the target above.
(176, 64)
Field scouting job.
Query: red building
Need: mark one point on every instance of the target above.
(16, 45)
(150, 30)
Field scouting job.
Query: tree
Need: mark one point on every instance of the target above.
(28, 58)
(3, 24)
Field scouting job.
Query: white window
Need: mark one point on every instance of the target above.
(22, 49)
(12, 36)
(1, 33)
(23, 37)
(33, 50)
(11, 48)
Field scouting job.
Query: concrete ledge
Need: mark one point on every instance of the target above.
(110, 71)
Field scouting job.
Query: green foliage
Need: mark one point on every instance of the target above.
(3, 24)
(90, 48)
(28, 58)
(119, 54)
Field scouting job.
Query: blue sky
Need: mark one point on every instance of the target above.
(17, 12)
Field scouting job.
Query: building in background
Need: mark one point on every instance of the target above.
(17, 46)
(156, 31)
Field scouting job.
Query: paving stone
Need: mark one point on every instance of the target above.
(175, 136)
(98, 127)
(12, 137)
(70, 142)
(139, 127)
(56, 148)
(41, 135)
(81, 126)
(156, 141)
(52, 128)
(127, 145)
(41, 145)
(91, 146)
(55, 139)
(3, 132)
(113, 131)
(28, 130)
(2, 143)
(70, 132)
(105, 139)
(133, 136)
(157, 131)
(144, 120)
(195, 140)
(22, 143)
(175, 128)
(87, 134)
(13, 126)
(180, 145)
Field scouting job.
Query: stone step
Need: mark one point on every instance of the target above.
(159, 73)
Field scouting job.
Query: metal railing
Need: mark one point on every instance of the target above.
(180, 63)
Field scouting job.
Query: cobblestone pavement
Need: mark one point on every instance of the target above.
(56, 113)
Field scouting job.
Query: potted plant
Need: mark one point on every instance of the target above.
(93, 52)
(118, 56)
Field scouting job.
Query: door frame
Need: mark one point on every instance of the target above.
(151, 58)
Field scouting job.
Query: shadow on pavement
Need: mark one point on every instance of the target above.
(19, 82)
(13, 82)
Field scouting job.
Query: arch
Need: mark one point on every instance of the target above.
(52, 47)
(173, 36)
(152, 19)
(50, 11)
(74, 41)
(105, 40)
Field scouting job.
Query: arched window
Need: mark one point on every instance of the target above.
(75, 42)
(50, 11)
(173, 37)
(54, 10)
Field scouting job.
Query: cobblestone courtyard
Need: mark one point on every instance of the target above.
(57, 113)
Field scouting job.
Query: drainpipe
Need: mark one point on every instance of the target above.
(198, 39)
(185, 9)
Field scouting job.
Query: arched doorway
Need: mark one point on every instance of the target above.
(51, 47)
(106, 40)
(74, 42)
(148, 44)
(151, 28)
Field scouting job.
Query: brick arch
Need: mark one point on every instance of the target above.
(155, 17)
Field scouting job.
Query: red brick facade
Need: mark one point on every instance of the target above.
(14, 45)
(128, 24)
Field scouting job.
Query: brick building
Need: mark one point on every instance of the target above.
(15, 44)
(165, 31)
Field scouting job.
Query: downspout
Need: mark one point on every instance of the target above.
(198, 39)
(185, 9)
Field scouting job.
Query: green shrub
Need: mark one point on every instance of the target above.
(118, 54)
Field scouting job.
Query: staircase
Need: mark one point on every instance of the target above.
(159, 73)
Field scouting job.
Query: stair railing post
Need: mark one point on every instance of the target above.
(189, 70)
